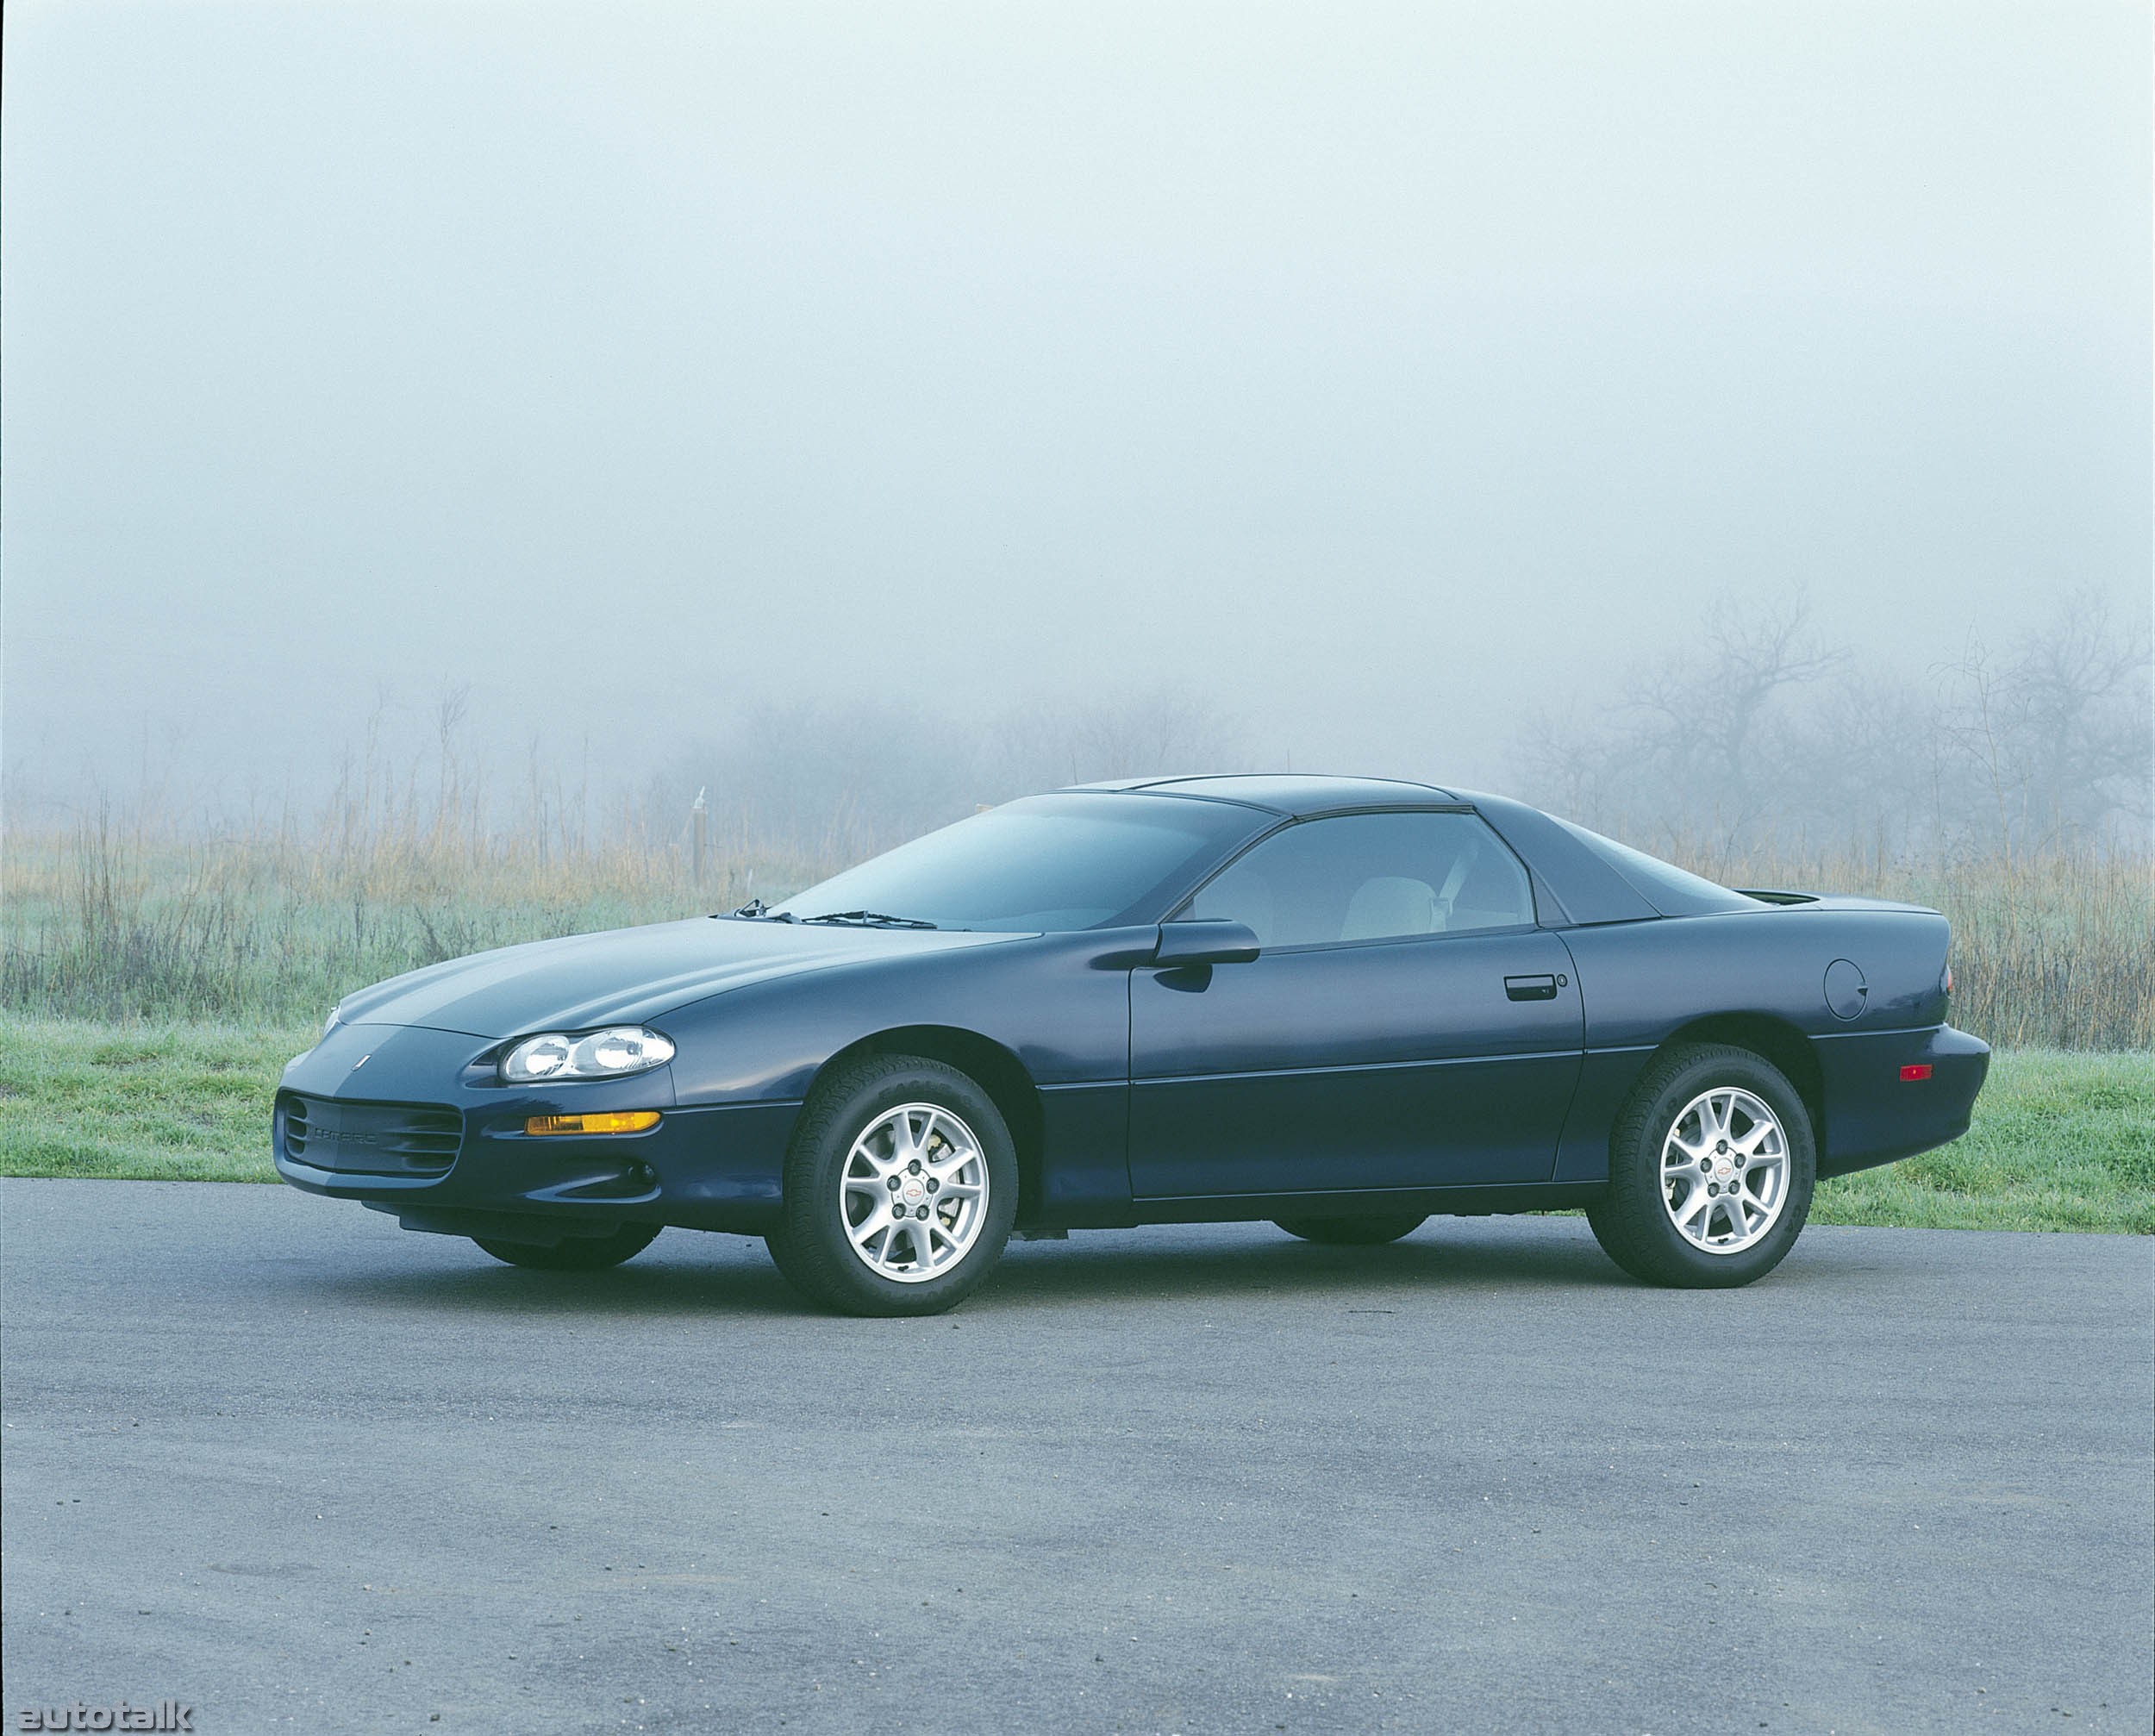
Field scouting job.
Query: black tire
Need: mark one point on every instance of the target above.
(811, 1247)
(1633, 1221)
(1370, 1231)
(576, 1253)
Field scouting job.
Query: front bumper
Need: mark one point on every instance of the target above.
(703, 1166)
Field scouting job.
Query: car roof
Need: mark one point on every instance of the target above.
(1284, 792)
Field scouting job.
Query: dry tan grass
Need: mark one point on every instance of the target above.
(2049, 950)
(112, 921)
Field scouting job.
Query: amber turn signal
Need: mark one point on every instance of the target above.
(618, 1121)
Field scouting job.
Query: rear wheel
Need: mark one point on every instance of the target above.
(575, 1253)
(1711, 1168)
(1366, 1231)
(900, 1189)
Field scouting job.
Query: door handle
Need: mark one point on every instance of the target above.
(1532, 988)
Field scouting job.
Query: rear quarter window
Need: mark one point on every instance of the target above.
(1672, 890)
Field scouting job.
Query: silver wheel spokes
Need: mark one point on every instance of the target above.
(1724, 1170)
(915, 1193)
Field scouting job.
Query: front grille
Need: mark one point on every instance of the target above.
(369, 1139)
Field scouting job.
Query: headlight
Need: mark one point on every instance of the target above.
(609, 1054)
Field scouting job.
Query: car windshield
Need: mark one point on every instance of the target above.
(1050, 863)
(1672, 890)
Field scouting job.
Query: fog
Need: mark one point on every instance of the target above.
(1365, 382)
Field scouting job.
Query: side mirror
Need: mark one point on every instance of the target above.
(1205, 943)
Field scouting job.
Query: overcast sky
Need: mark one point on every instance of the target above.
(1375, 372)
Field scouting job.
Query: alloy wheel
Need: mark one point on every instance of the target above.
(1725, 1169)
(914, 1195)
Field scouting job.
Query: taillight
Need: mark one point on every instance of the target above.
(1946, 982)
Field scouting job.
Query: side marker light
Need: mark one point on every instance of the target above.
(620, 1121)
(1919, 1070)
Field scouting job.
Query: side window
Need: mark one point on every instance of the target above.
(1372, 876)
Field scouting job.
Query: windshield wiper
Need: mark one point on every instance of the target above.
(756, 909)
(870, 919)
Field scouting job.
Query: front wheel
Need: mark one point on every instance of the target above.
(575, 1253)
(1355, 1233)
(1710, 1171)
(901, 1187)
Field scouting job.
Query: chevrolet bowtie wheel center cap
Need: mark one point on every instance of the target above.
(1725, 1169)
(913, 1196)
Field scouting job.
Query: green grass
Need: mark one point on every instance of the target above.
(181, 1104)
(2061, 1141)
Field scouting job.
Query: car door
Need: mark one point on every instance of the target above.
(1406, 1025)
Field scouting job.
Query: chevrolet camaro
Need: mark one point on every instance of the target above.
(1339, 1005)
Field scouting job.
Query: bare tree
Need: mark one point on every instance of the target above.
(1710, 706)
(1751, 726)
(2058, 731)
(1701, 742)
(451, 705)
(1140, 734)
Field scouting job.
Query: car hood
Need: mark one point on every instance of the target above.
(625, 975)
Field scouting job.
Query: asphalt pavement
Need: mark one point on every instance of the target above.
(273, 1458)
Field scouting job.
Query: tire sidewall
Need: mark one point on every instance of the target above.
(818, 1255)
(1688, 1264)
(1365, 1230)
(574, 1253)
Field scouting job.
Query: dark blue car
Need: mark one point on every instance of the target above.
(1337, 1004)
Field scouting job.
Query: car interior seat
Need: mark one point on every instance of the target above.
(1391, 904)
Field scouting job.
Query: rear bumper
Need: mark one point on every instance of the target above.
(1875, 1115)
